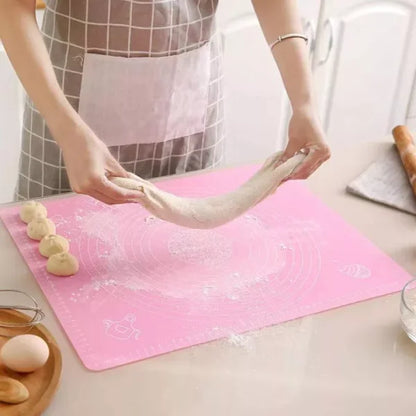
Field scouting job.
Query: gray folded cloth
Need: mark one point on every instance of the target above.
(385, 181)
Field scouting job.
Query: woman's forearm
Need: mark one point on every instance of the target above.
(280, 17)
(27, 52)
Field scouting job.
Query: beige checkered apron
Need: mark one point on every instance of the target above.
(126, 28)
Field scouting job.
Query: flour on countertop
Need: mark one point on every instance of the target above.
(241, 340)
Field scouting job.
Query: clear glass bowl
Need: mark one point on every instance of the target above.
(408, 309)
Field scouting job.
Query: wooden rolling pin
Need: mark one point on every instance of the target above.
(407, 151)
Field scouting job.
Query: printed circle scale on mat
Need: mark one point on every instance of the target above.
(150, 275)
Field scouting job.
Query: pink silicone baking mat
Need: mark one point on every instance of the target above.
(147, 287)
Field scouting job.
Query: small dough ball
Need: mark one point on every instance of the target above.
(12, 391)
(24, 353)
(53, 244)
(62, 264)
(40, 227)
(31, 209)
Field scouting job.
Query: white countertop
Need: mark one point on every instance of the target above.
(354, 360)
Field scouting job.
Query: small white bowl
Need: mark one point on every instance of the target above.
(408, 309)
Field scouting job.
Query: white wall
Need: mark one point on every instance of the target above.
(10, 122)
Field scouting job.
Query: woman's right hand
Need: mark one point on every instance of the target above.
(89, 163)
(87, 159)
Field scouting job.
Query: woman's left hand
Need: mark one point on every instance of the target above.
(306, 135)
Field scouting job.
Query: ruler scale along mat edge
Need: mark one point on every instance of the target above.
(146, 287)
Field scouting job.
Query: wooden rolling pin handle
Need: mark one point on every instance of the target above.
(407, 151)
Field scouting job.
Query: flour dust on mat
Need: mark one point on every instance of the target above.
(200, 261)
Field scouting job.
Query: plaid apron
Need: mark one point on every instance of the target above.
(131, 29)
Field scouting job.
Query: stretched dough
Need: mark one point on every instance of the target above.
(217, 210)
(32, 209)
(53, 244)
(40, 227)
(62, 264)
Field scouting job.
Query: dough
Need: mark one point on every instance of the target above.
(12, 391)
(62, 264)
(217, 210)
(32, 209)
(53, 244)
(40, 227)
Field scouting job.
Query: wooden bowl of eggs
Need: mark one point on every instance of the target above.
(30, 367)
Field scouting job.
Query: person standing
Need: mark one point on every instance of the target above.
(117, 86)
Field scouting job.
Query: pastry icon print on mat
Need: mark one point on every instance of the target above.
(123, 329)
(357, 271)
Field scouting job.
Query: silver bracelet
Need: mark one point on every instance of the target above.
(288, 36)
